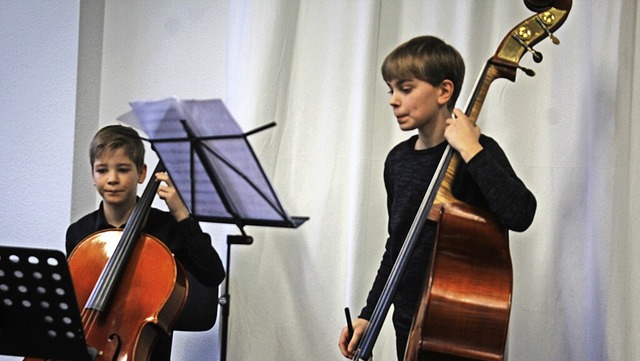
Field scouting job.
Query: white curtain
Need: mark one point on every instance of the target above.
(313, 68)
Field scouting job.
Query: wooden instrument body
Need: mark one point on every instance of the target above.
(464, 314)
(147, 301)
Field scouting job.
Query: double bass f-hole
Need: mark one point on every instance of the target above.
(451, 335)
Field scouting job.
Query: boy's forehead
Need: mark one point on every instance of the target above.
(113, 156)
(396, 82)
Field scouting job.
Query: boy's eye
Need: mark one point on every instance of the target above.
(124, 169)
(404, 89)
(101, 170)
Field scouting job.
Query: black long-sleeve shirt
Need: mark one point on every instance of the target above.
(488, 181)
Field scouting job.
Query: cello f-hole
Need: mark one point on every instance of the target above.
(118, 341)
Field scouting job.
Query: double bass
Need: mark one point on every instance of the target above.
(464, 311)
(132, 287)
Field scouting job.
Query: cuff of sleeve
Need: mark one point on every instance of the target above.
(479, 158)
(189, 225)
(365, 314)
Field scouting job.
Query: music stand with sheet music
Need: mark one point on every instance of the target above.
(214, 169)
(39, 314)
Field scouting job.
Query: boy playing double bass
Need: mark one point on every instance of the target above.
(425, 76)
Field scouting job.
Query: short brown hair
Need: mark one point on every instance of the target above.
(429, 59)
(114, 137)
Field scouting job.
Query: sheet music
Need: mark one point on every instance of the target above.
(236, 167)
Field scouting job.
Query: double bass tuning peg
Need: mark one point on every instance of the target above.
(553, 38)
(527, 71)
(537, 56)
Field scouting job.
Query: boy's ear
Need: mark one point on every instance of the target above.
(142, 175)
(446, 91)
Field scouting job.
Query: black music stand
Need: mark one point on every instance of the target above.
(39, 314)
(214, 170)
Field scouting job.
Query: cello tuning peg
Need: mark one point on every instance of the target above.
(527, 71)
(553, 38)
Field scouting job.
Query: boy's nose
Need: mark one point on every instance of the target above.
(393, 100)
(113, 178)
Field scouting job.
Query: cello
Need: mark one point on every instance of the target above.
(132, 287)
(465, 307)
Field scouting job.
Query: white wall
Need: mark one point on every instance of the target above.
(39, 42)
(39, 56)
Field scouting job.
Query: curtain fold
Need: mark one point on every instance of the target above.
(620, 280)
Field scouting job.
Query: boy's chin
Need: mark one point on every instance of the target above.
(115, 201)
(406, 127)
